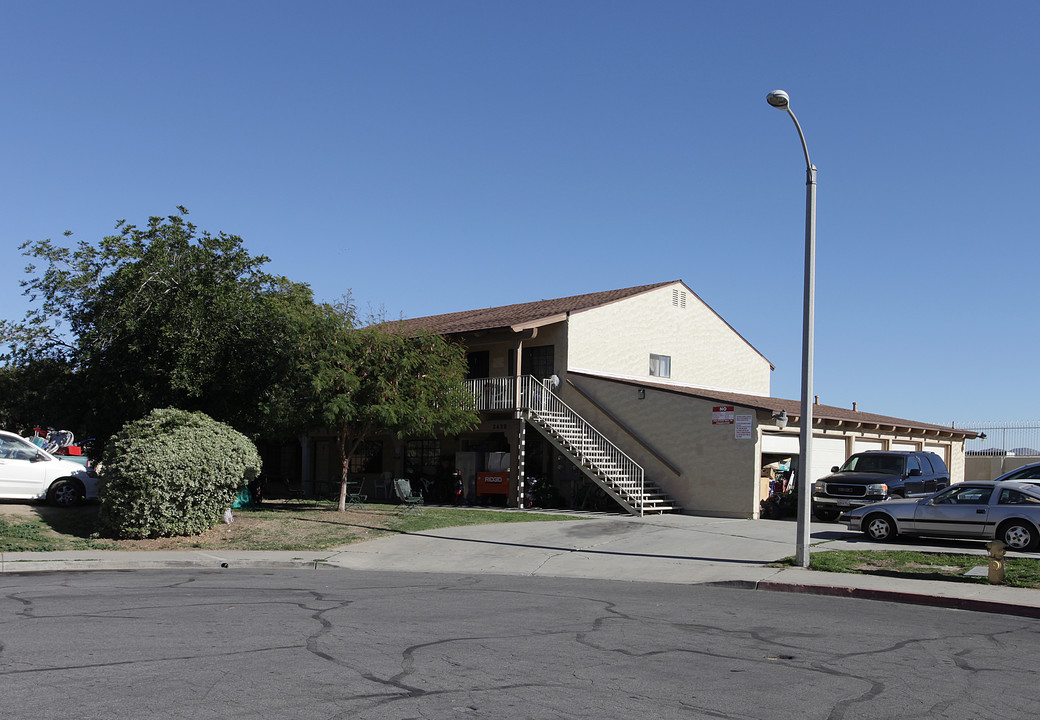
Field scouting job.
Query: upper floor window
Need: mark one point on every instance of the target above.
(660, 366)
(479, 365)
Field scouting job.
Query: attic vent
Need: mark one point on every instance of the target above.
(679, 298)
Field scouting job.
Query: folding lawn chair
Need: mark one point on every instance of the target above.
(409, 501)
(354, 496)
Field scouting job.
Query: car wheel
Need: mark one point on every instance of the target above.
(65, 493)
(826, 514)
(879, 527)
(898, 494)
(1018, 535)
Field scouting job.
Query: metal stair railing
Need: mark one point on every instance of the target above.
(607, 461)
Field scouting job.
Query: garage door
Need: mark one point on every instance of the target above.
(939, 450)
(826, 452)
(902, 446)
(864, 445)
(780, 444)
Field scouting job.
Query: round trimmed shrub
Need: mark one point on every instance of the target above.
(172, 473)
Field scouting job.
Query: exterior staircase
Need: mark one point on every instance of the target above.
(603, 462)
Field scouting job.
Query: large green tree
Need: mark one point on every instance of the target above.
(41, 393)
(162, 316)
(375, 380)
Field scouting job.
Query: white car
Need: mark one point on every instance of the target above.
(28, 472)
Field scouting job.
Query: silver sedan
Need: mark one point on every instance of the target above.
(1006, 511)
(1027, 473)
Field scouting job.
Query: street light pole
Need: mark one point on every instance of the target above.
(780, 99)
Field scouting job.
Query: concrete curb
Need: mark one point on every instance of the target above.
(907, 598)
(957, 603)
(20, 566)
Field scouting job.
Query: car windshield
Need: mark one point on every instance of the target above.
(883, 464)
(16, 449)
(1029, 472)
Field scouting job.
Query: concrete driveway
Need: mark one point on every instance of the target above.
(668, 548)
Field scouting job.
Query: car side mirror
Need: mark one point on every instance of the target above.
(916, 472)
(37, 457)
(926, 501)
(834, 469)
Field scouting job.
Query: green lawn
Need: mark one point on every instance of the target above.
(1020, 572)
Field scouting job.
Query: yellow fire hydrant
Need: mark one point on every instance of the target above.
(996, 562)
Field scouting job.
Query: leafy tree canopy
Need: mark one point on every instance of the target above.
(40, 394)
(167, 316)
(377, 380)
(161, 316)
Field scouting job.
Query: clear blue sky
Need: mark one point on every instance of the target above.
(439, 156)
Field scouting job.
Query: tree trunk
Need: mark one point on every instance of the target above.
(344, 461)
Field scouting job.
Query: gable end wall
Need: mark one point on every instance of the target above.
(617, 339)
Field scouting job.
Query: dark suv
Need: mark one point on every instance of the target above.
(876, 475)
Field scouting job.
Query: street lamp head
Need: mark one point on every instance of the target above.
(778, 99)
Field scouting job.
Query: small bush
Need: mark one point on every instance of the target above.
(172, 473)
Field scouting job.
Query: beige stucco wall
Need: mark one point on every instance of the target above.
(618, 338)
(714, 473)
(989, 467)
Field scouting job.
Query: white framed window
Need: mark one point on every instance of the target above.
(660, 366)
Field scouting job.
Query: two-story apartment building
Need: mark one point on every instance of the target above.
(642, 397)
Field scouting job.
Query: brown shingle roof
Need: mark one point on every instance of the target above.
(520, 314)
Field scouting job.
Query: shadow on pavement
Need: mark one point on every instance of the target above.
(590, 551)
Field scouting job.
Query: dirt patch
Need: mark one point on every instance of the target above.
(250, 531)
(936, 568)
(24, 509)
(275, 527)
(17, 509)
(911, 567)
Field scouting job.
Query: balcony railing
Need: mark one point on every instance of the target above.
(495, 393)
(504, 393)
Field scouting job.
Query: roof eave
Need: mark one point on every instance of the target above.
(539, 322)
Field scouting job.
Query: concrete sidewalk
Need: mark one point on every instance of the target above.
(670, 548)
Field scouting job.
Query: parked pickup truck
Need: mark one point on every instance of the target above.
(876, 475)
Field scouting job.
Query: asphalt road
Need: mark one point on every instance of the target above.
(333, 643)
